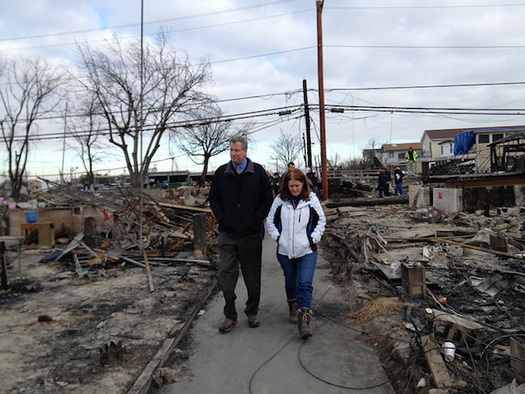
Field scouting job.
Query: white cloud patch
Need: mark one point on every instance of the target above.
(258, 48)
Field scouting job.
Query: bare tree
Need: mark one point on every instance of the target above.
(371, 148)
(287, 148)
(28, 92)
(333, 162)
(206, 136)
(169, 86)
(355, 164)
(86, 127)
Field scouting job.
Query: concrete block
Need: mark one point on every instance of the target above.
(418, 195)
(447, 200)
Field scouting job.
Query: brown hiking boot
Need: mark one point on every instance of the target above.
(227, 325)
(253, 321)
(304, 316)
(292, 306)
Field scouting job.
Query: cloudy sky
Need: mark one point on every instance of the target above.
(412, 65)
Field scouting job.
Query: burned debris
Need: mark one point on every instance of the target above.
(421, 278)
(87, 303)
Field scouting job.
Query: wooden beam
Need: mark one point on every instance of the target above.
(183, 207)
(435, 362)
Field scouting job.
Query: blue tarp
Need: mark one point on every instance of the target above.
(463, 142)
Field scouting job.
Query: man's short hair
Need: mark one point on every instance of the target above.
(240, 138)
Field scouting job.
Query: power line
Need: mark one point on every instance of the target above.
(423, 7)
(128, 25)
(427, 46)
(457, 85)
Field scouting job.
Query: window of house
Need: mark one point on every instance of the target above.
(496, 137)
(390, 154)
(484, 138)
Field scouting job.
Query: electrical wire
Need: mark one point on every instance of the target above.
(156, 22)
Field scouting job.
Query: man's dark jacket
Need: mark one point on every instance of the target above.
(240, 202)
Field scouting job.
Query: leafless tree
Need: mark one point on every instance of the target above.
(86, 128)
(206, 135)
(371, 148)
(169, 85)
(28, 91)
(374, 143)
(355, 164)
(287, 148)
(334, 161)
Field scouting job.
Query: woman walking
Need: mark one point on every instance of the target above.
(297, 222)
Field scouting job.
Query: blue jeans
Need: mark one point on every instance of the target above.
(399, 189)
(298, 277)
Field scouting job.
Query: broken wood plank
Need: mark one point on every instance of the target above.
(133, 261)
(376, 201)
(148, 271)
(435, 362)
(502, 254)
(183, 207)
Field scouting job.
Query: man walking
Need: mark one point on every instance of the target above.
(240, 198)
(398, 175)
(410, 158)
(383, 183)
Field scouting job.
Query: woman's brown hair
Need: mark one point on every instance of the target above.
(294, 174)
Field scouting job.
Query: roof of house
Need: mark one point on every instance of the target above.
(450, 133)
(403, 146)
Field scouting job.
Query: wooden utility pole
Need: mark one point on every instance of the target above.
(307, 120)
(324, 169)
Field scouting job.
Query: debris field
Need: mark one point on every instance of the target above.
(93, 313)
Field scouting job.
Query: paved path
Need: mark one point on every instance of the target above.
(273, 358)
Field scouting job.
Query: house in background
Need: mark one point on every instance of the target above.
(394, 154)
(439, 146)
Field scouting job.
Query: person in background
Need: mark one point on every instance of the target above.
(270, 177)
(398, 179)
(276, 184)
(291, 165)
(388, 177)
(383, 186)
(410, 158)
(314, 181)
(297, 222)
(240, 198)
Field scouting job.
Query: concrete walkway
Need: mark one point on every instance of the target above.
(273, 358)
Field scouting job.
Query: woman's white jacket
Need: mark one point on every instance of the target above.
(297, 231)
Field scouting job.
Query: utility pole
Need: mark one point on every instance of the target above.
(62, 180)
(324, 169)
(307, 120)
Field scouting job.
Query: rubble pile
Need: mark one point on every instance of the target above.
(417, 278)
(439, 295)
(94, 310)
